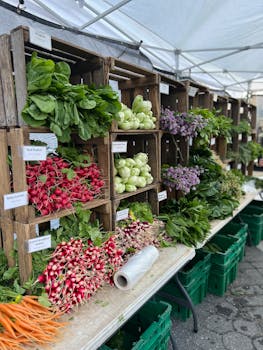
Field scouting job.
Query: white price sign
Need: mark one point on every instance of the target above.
(119, 147)
(212, 141)
(192, 91)
(239, 166)
(249, 138)
(15, 200)
(164, 89)
(239, 137)
(122, 214)
(190, 141)
(229, 139)
(54, 224)
(229, 106)
(40, 38)
(39, 243)
(215, 97)
(34, 153)
(241, 110)
(162, 196)
(228, 167)
(49, 138)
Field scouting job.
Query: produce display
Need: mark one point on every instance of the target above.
(55, 184)
(132, 173)
(65, 108)
(140, 116)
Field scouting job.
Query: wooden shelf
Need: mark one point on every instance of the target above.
(119, 197)
(217, 225)
(93, 323)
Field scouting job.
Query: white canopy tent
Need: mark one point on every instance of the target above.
(216, 42)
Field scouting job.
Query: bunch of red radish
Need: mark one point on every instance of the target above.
(78, 269)
(54, 184)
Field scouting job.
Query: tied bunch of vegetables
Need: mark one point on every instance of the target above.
(181, 178)
(184, 124)
(77, 269)
(131, 173)
(55, 184)
(139, 117)
(65, 108)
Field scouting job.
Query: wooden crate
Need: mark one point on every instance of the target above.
(221, 104)
(142, 141)
(177, 98)
(16, 50)
(202, 98)
(174, 149)
(132, 81)
(234, 113)
(149, 195)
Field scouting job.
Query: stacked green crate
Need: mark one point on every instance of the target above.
(194, 277)
(252, 215)
(225, 254)
(238, 230)
(148, 329)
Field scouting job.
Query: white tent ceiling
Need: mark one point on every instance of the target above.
(216, 42)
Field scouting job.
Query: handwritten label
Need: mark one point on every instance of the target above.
(40, 38)
(239, 137)
(241, 110)
(229, 106)
(39, 243)
(249, 138)
(49, 139)
(34, 153)
(162, 196)
(119, 147)
(239, 166)
(212, 141)
(122, 214)
(164, 88)
(54, 224)
(192, 91)
(15, 200)
(215, 97)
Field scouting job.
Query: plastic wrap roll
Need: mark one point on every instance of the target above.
(130, 273)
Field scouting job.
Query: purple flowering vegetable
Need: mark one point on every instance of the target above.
(184, 124)
(181, 178)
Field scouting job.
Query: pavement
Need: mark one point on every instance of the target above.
(231, 322)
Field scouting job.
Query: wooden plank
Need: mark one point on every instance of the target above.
(130, 194)
(8, 239)
(90, 65)
(17, 43)
(123, 73)
(23, 233)
(2, 106)
(129, 67)
(139, 82)
(16, 141)
(8, 92)
(221, 147)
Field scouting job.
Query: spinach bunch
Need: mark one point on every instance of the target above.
(65, 108)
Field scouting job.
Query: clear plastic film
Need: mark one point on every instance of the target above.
(130, 273)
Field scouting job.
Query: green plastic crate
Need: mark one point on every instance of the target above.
(195, 268)
(197, 291)
(253, 216)
(148, 329)
(228, 247)
(220, 280)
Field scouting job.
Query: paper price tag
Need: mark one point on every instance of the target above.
(162, 196)
(40, 38)
(34, 153)
(164, 89)
(122, 214)
(212, 141)
(249, 138)
(239, 166)
(241, 110)
(229, 106)
(228, 167)
(49, 139)
(192, 91)
(15, 236)
(229, 139)
(39, 243)
(190, 141)
(119, 147)
(239, 137)
(54, 224)
(215, 97)
(15, 200)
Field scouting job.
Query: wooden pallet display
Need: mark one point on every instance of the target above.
(132, 81)
(149, 195)
(16, 50)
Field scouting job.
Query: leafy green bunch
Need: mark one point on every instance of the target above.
(242, 127)
(65, 108)
(249, 151)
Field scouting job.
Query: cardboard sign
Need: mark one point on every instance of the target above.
(39, 243)
(162, 196)
(119, 146)
(122, 214)
(34, 153)
(192, 91)
(15, 200)
(164, 89)
(40, 38)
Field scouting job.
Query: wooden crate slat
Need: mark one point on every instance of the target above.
(139, 82)
(116, 63)
(7, 99)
